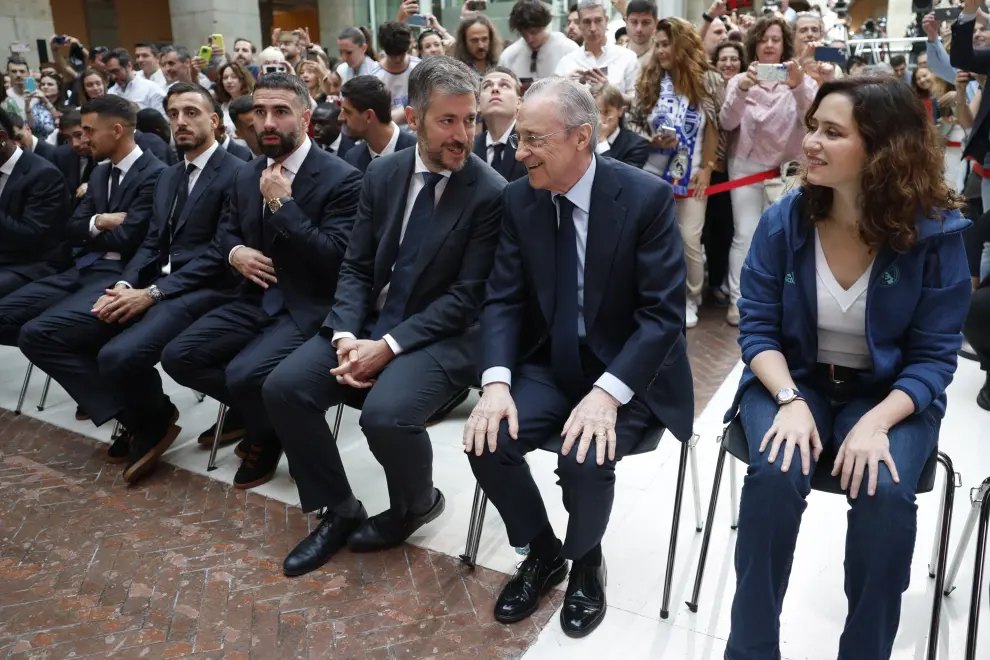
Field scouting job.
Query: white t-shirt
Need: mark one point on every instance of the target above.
(518, 57)
(143, 92)
(398, 83)
(841, 316)
(368, 68)
(622, 63)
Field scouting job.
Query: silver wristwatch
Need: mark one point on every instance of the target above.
(787, 395)
(155, 293)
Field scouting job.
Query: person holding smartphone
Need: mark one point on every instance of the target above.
(599, 63)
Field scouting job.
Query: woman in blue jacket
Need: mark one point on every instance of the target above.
(853, 297)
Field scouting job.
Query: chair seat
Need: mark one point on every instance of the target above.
(649, 441)
(734, 441)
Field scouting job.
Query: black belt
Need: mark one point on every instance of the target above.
(838, 374)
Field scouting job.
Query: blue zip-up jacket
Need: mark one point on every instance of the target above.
(916, 303)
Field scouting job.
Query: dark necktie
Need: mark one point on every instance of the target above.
(181, 196)
(90, 258)
(400, 284)
(497, 158)
(272, 300)
(565, 355)
(532, 62)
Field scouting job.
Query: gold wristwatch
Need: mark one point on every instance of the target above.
(275, 204)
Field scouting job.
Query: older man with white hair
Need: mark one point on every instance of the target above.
(583, 320)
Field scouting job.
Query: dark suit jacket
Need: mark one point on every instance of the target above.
(156, 145)
(634, 287)
(135, 196)
(45, 150)
(360, 157)
(194, 265)
(308, 236)
(511, 168)
(346, 144)
(67, 162)
(453, 261)
(629, 148)
(34, 206)
(240, 151)
(963, 56)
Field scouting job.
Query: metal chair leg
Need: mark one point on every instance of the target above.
(974, 600)
(221, 416)
(44, 393)
(943, 551)
(674, 527)
(475, 525)
(712, 503)
(734, 495)
(199, 396)
(117, 430)
(976, 498)
(24, 387)
(336, 422)
(695, 482)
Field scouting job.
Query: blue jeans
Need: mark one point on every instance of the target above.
(879, 542)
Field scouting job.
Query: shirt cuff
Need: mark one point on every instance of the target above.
(337, 336)
(619, 390)
(496, 375)
(93, 231)
(394, 345)
(230, 257)
(602, 147)
(127, 284)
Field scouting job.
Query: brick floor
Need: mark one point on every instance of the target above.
(184, 566)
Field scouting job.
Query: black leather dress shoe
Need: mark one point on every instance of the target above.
(533, 580)
(388, 531)
(232, 431)
(584, 602)
(322, 543)
(120, 447)
(259, 466)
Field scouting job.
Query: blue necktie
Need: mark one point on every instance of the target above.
(400, 284)
(91, 258)
(565, 355)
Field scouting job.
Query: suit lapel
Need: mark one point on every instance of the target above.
(20, 170)
(605, 222)
(127, 182)
(394, 213)
(305, 180)
(454, 200)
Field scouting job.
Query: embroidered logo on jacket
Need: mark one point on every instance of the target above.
(890, 277)
(789, 278)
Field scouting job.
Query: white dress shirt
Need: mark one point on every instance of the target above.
(290, 167)
(389, 148)
(519, 58)
(125, 165)
(143, 92)
(416, 184)
(606, 144)
(158, 77)
(622, 63)
(335, 145)
(504, 140)
(580, 196)
(7, 169)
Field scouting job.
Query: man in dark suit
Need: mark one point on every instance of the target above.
(225, 141)
(108, 225)
(327, 130)
(34, 206)
(73, 159)
(153, 144)
(626, 147)
(402, 338)
(583, 318)
(102, 346)
(365, 112)
(500, 99)
(29, 142)
(286, 230)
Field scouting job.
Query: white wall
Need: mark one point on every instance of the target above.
(25, 21)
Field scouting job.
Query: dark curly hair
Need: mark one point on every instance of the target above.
(529, 14)
(754, 36)
(904, 165)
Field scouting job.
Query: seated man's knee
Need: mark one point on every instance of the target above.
(507, 451)
(32, 336)
(178, 360)
(890, 496)
(587, 471)
(116, 361)
(378, 417)
(284, 388)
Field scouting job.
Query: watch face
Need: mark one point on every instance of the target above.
(785, 395)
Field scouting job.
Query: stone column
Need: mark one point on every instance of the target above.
(194, 20)
(335, 15)
(26, 21)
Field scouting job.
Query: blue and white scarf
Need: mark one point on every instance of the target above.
(673, 110)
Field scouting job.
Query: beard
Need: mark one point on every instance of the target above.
(287, 143)
(435, 156)
(192, 142)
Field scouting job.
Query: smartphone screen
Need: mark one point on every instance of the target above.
(829, 54)
(417, 20)
(476, 5)
(30, 86)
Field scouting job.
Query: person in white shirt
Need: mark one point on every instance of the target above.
(395, 39)
(146, 56)
(641, 26)
(144, 93)
(357, 55)
(599, 62)
(536, 54)
(18, 71)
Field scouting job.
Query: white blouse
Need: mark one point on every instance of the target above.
(841, 316)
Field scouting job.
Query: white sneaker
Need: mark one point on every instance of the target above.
(691, 314)
(732, 316)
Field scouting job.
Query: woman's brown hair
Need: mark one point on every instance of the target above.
(734, 45)
(903, 172)
(688, 74)
(242, 73)
(754, 36)
(82, 83)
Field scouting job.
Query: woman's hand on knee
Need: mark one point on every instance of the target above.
(794, 426)
(866, 446)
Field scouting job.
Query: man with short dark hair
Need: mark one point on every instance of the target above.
(245, 51)
(285, 232)
(225, 141)
(107, 226)
(641, 27)
(536, 54)
(18, 71)
(500, 99)
(400, 341)
(395, 39)
(34, 204)
(573, 28)
(102, 346)
(599, 62)
(899, 65)
(146, 56)
(327, 130)
(241, 113)
(144, 93)
(176, 63)
(73, 158)
(365, 113)
(28, 141)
